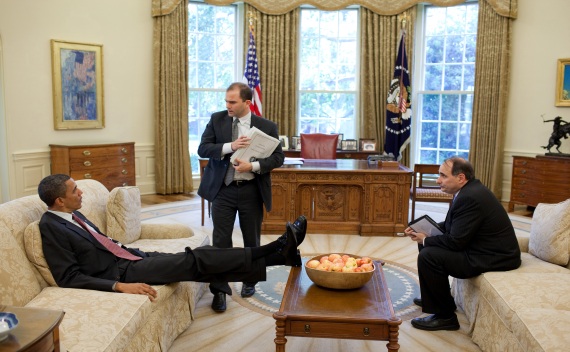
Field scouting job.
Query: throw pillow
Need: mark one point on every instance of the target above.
(35, 252)
(550, 233)
(124, 214)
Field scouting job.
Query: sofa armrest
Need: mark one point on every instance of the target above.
(165, 231)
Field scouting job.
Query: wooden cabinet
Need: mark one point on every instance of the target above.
(340, 154)
(543, 179)
(111, 164)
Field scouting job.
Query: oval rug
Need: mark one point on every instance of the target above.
(402, 282)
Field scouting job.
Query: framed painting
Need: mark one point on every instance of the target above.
(563, 83)
(296, 143)
(77, 77)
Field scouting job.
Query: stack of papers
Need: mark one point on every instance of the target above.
(261, 146)
(293, 161)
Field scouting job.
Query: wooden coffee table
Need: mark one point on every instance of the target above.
(308, 310)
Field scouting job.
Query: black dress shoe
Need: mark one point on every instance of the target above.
(434, 322)
(301, 225)
(418, 301)
(247, 289)
(289, 249)
(219, 302)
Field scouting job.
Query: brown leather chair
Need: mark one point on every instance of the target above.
(424, 188)
(318, 145)
(203, 163)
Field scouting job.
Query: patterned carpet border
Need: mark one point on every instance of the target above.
(402, 283)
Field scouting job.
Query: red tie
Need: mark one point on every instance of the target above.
(107, 242)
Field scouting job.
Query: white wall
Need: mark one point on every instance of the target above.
(539, 40)
(125, 29)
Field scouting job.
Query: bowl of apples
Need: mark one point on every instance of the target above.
(340, 270)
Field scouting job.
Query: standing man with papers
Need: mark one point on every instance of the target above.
(241, 187)
(477, 237)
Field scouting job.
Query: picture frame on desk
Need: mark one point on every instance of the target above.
(284, 141)
(296, 142)
(349, 145)
(77, 80)
(339, 141)
(367, 145)
(563, 83)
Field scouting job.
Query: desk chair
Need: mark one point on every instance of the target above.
(318, 145)
(421, 192)
(203, 163)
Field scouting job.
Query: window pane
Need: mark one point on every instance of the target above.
(430, 135)
(448, 137)
(433, 75)
(449, 107)
(434, 50)
(453, 77)
(454, 49)
(464, 136)
(430, 107)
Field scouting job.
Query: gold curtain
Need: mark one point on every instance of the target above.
(380, 37)
(170, 51)
(490, 96)
(276, 40)
(507, 8)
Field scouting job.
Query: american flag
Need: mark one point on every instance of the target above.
(251, 76)
(398, 107)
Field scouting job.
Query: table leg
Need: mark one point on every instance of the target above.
(393, 333)
(280, 339)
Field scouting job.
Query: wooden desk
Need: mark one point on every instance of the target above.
(37, 330)
(308, 310)
(341, 197)
(340, 154)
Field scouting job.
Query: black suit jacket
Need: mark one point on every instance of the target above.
(75, 258)
(478, 225)
(219, 131)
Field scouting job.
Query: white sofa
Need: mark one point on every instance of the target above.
(527, 309)
(95, 320)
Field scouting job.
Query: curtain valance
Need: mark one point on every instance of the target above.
(505, 8)
(164, 7)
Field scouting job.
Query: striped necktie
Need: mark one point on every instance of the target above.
(107, 242)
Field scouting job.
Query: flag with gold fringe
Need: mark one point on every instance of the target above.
(398, 108)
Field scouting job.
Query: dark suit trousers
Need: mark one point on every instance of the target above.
(244, 200)
(203, 264)
(435, 265)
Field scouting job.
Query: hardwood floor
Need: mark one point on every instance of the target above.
(154, 199)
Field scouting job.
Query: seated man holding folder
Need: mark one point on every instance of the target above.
(477, 237)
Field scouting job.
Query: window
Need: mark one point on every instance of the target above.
(212, 66)
(447, 76)
(328, 72)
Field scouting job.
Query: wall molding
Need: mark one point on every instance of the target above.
(30, 167)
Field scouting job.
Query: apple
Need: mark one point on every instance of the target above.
(347, 269)
(367, 267)
(324, 266)
(313, 264)
(337, 267)
(366, 260)
(324, 259)
(334, 256)
(345, 257)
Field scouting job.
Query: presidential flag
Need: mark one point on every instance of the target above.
(398, 108)
(251, 75)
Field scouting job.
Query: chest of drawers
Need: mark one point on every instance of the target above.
(544, 179)
(111, 164)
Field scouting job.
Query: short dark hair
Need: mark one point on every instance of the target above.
(52, 187)
(245, 93)
(461, 166)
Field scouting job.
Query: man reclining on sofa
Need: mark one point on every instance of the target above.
(80, 256)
